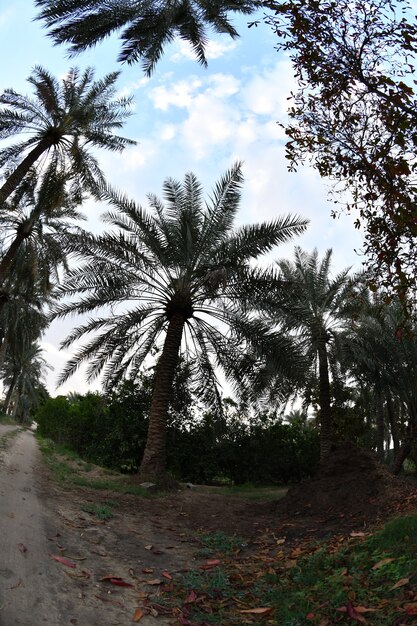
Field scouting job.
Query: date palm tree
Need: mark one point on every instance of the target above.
(311, 306)
(39, 224)
(381, 352)
(145, 26)
(37, 236)
(23, 372)
(63, 120)
(179, 277)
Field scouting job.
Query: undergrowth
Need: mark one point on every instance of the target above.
(67, 468)
(350, 580)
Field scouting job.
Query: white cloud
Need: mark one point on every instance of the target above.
(223, 85)
(210, 124)
(215, 49)
(179, 94)
(267, 94)
(131, 87)
(168, 132)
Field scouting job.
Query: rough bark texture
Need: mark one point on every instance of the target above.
(154, 458)
(22, 169)
(9, 393)
(326, 430)
(393, 422)
(401, 457)
(380, 425)
(23, 232)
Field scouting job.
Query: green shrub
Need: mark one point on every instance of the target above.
(111, 431)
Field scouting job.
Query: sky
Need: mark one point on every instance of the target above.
(187, 118)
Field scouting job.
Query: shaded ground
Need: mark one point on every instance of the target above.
(148, 543)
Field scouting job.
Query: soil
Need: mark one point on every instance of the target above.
(152, 540)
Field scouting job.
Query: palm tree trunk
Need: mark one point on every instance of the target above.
(401, 456)
(10, 392)
(326, 428)
(22, 169)
(380, 424)
(409, 440)
(154, 458)
(3, 349)
(23, 232)
(393, 422)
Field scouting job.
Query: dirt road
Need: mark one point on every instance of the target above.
(57, 558)
(35, 589)
(29, 591)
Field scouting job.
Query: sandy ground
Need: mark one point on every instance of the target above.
(29, 588)
(56, 559)
(35, 589)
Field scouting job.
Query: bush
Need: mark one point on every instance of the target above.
(111, 431)
(103, 431)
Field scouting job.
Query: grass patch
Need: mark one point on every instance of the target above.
(101, 511)
(372, 579)
(68, 468)
(219, 542)
(6, 439)
(326, 585)
(252, 492)
(7, 420)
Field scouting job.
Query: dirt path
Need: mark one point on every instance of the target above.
(28, 588)
(57, 557)
(35, 589)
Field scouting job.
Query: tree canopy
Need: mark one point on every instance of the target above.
(182, 278)
(145, 27)
(354, 116)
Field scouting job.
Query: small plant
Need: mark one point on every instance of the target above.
(7, 419)
(101, 511)
(219, 542)
(214, 583)
(6, 439)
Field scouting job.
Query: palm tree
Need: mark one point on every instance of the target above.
(63, 120)
(37, 236)
(22, 374)
(382, 352)
(179, 275)
(39, 226)
(311, 306)
(146, 25)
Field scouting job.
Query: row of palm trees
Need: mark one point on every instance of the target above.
(180, 277)
(177, 277)
(47, 173)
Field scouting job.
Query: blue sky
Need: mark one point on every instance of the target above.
(188, 118)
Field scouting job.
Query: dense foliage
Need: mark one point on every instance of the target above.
(180, 276)
(354, 117)
(111, 431)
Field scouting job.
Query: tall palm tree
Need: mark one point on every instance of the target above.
(311, 306)
(179, 276)
(37, 236)
(39, 223)
(42, 213)
(23, 372)
(64, 120)
(382, 351)
(368, 355)
(146, 25)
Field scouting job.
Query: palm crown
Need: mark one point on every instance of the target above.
(146, 25)
(64, 119)
(311, 306)
(180, 268)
